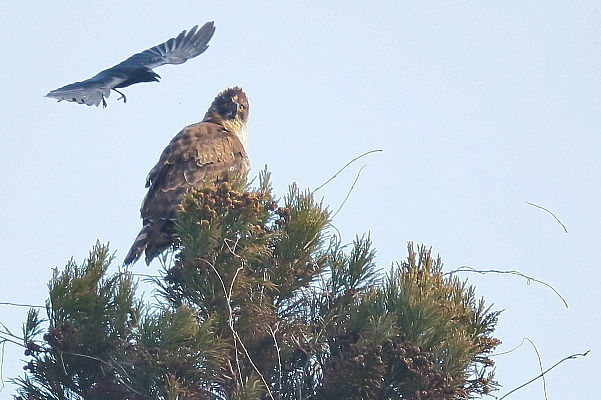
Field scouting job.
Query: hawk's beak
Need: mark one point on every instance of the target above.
(232, 109)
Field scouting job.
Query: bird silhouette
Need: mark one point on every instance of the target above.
(137, 68)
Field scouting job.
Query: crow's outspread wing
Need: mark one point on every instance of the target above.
(175, 50)
(137, 68)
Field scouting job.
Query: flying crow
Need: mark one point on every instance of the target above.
(137, 68)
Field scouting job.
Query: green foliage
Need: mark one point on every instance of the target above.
(418, 335)
(176, 355)
(91, 317)
(261, 302)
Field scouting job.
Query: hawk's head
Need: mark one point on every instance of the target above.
(230, 110)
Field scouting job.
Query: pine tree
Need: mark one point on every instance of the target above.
(262, 301)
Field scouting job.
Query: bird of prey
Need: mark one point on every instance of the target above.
(209, 151)
(137, 68)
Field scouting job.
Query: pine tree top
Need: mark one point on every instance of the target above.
(261, 302)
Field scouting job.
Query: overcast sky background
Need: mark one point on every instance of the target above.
(478, 108)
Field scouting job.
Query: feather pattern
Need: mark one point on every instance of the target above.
(201, 153)
(137, 68)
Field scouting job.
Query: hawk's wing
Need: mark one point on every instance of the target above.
(200, 152)
(175, 50)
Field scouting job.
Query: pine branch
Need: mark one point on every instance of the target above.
(261, 301)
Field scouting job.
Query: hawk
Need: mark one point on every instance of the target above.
(137, 68)
(208, 151)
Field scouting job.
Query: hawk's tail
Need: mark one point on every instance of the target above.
(154, 238)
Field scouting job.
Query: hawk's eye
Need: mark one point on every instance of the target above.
(241, 107)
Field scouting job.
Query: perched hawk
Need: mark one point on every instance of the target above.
(137, 68)
(207, 151)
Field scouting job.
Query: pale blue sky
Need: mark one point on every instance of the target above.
(479, 108)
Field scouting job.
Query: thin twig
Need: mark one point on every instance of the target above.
(348, 193)
(465, 268)
(60, 356)
(228, 296)
(510, 350)
(6, 303)
(149, 276)
(230, 312)
(126, 374)
(2, 366)
(5, 340)
(278, 352)
(5, 334)
(540, 365)
(110, 365)
(573, 356)
(554, 216)
(233, 249)
(343, 168)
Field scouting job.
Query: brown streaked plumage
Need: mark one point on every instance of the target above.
(207, 151)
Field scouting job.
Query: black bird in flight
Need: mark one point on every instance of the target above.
(137, 68)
